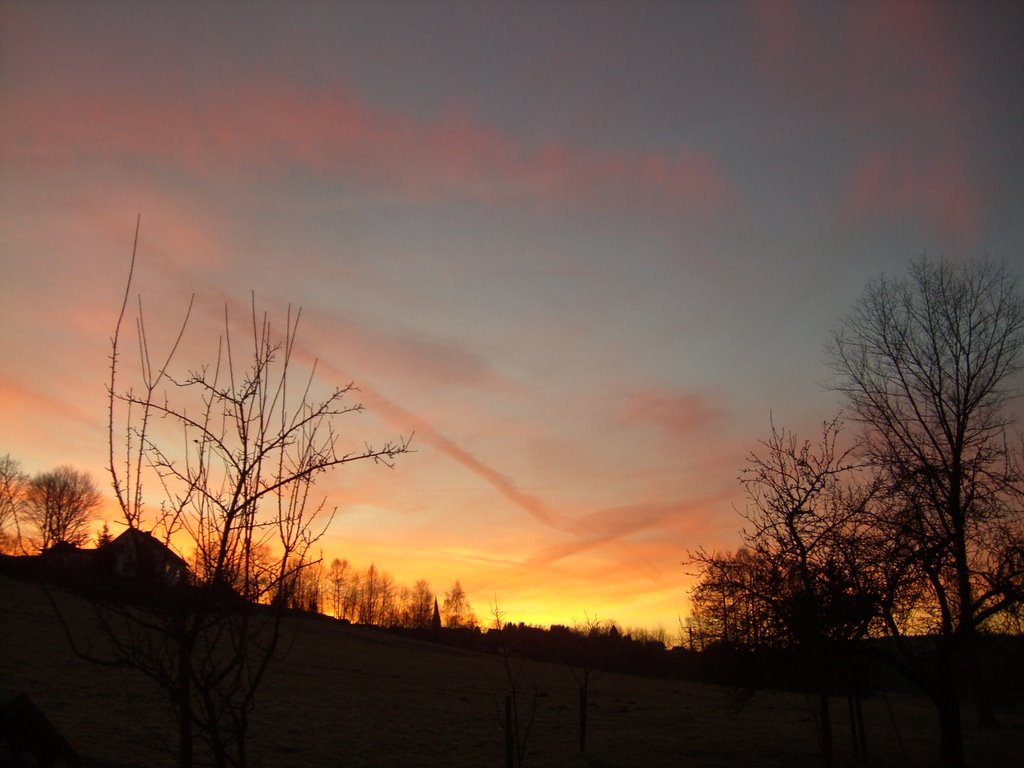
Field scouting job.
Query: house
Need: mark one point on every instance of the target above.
(139, 555)
(67, 559)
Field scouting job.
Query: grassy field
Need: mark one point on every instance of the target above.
(350, 696)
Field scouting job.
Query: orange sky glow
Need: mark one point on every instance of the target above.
(583, 252)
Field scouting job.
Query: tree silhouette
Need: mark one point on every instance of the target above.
(59, 504)
(234, 446)
(13, 484)
(420, 606)
(801, 579)
(929, 365)
(337, 577)
(457, 610)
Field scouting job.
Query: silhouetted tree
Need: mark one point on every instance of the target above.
(309, 586)
(728, 604)
(240, 445)
(806, 533)
(929, 365)
(302, 590)
(582, 651)
(388, 601)
(336, 578)
(803, 578)
(420, 605)
(457, 610)
(518, 718)
(13, 484)
(350, 604)
(59, 505)
(369, 596)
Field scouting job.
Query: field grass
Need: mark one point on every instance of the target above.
(352, 696)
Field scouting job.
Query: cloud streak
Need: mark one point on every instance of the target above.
(406, 355)
(676, 413)
(277, 127)
(423, 430)
(893, 184)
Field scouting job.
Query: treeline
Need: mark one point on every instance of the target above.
(372, 596)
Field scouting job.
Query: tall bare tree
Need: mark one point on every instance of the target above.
(231, 449)
(456, 609)
(420, 605)
(59, 505)
(369, 595)
(728, 605)
(930, 365)
(13, 484)
(802, 579)
(337, 577)
(807, 530)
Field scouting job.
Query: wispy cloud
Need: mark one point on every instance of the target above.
(405, 354)
(619, 524)
(16, 398)
(676, 413)
(407, 420)
(893, 184)
(279, 127)
(871, 62)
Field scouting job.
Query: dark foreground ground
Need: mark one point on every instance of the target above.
(349, 696)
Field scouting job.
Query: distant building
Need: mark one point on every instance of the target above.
(68, 559)
(435, 622)
(139, 555)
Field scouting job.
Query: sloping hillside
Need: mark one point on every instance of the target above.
(350, 696)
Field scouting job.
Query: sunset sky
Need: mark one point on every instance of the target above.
(585, 251)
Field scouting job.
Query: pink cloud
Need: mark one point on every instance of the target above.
(405, 419)
(405, 355)
(642, 530)
(894, 184)
(676, 413)
(904, 58)
(280, 126)
(28, 403)
(864, 62)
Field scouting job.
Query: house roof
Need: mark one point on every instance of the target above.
(145, 540)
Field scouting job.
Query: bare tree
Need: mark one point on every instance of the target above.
(59, 505)
(457, 610)
(387, 615)
(518, 718)
(234, 447)
(802, 579)
(336, 579)
(351, 597)
(929, 365)
(13, 484)
(369, 596)
(727, 604)
(420, 605)
(807, 530)
(582, 650)
(303, 590)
